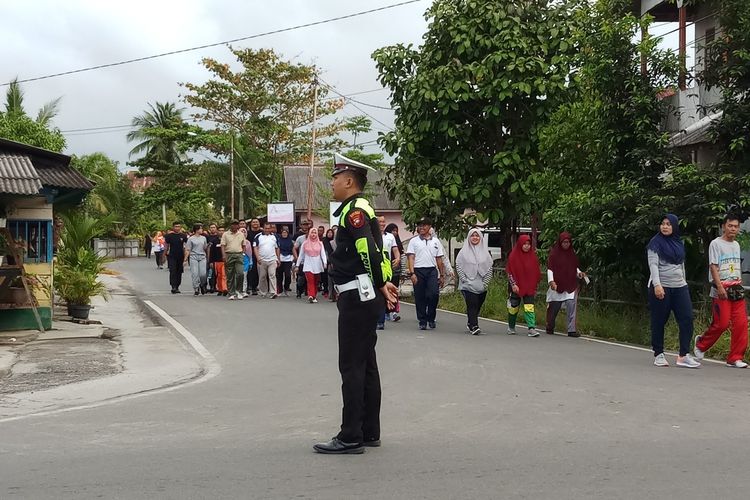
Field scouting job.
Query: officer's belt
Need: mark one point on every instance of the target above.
(352, 285)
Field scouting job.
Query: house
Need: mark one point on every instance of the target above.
(138, 183)
(691, 121)
(34, 183)
(296, 191)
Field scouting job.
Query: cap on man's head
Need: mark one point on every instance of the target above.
(424, 221)
(342, 164)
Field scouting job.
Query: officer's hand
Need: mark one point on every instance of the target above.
(413, 279)
(390, 292)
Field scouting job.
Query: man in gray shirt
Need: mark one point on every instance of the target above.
(195, 256)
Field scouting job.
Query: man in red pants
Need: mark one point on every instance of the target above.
(728, 302)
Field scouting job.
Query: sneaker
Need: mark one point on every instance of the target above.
(468, 329)
(286, 294)
(395, 317)
(574, 334)
(196, 293)
(310, 300)
(423, 326)
(380, 326)
(533, 332)
(737, 364)
(476, 331)
(511, 331)
(432, 325)
(687, 361)
(241, 296)
(314, 300)
(660, 360)
(274, 295)
(232, 297)
(698, 353)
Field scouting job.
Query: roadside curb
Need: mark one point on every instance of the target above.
(158, 355)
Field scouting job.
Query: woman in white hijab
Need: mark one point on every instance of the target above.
(474, 267)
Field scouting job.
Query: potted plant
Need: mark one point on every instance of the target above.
(76, 286)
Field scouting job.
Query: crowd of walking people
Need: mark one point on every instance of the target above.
(248, 259)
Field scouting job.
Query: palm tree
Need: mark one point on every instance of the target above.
(150, 136)
(14, 105)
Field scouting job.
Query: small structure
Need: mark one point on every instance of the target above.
(295, 189)
(33, 183)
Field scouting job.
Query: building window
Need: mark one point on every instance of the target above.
(33, 236)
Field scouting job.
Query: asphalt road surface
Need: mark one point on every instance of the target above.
(463, 417)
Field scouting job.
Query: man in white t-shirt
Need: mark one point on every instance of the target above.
(425, 253)
(389, 245)
(727, 294)
(266, 251)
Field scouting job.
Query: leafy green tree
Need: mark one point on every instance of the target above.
(152, 135)
(112, 196)
(266, 106)
(17, 125)
(358, 125)
(604, 153)
(469, 104)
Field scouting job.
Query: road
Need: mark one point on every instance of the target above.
(463, 417)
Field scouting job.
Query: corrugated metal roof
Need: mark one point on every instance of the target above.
(696, 133)
(18, 175)
(62, 176)
(295, 184)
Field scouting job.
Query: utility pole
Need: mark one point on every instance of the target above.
(231, 178)
(312, 149)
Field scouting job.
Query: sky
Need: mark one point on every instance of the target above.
(43, 37)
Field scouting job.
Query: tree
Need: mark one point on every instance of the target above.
(17, 125)
(266, 106)
(152, 135)
(469, 104)
(605, 154)
(358, 125)
(112, 197)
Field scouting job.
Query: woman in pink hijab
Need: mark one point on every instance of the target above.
(313, 256)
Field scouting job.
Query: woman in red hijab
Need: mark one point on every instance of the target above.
(562, 276)
(523, 278)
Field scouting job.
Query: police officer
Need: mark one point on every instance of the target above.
(361, 275)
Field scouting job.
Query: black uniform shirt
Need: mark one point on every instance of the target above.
(214, 248)
(358, 245)
(176, 242)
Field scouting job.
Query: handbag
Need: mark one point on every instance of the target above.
(735, 292)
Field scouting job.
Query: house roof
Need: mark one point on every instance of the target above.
(295, 187)
(25, 170)
(18, 175)
(696, 133)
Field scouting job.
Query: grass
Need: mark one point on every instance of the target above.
(630, 324)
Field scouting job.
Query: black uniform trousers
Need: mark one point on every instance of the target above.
(360, 379)
(252, 280)
(175, 270)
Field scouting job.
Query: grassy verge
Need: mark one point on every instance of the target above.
(622, 323)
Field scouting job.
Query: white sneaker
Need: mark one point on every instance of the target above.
(244, 294)
(241, 296)
(698, 353)
(314, 301)
(660, 360)
(511, 331)
(687, 361)
(533, 332)
(738, 364)
(231, 297)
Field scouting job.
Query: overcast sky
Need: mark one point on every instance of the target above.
(41, 37)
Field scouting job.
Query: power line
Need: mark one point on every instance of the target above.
(199, 47)
(96, 128)
(333, 89)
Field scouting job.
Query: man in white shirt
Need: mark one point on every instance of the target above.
(425, 254)
(266, 251)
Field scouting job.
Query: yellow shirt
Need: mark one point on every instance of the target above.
(232, 243)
